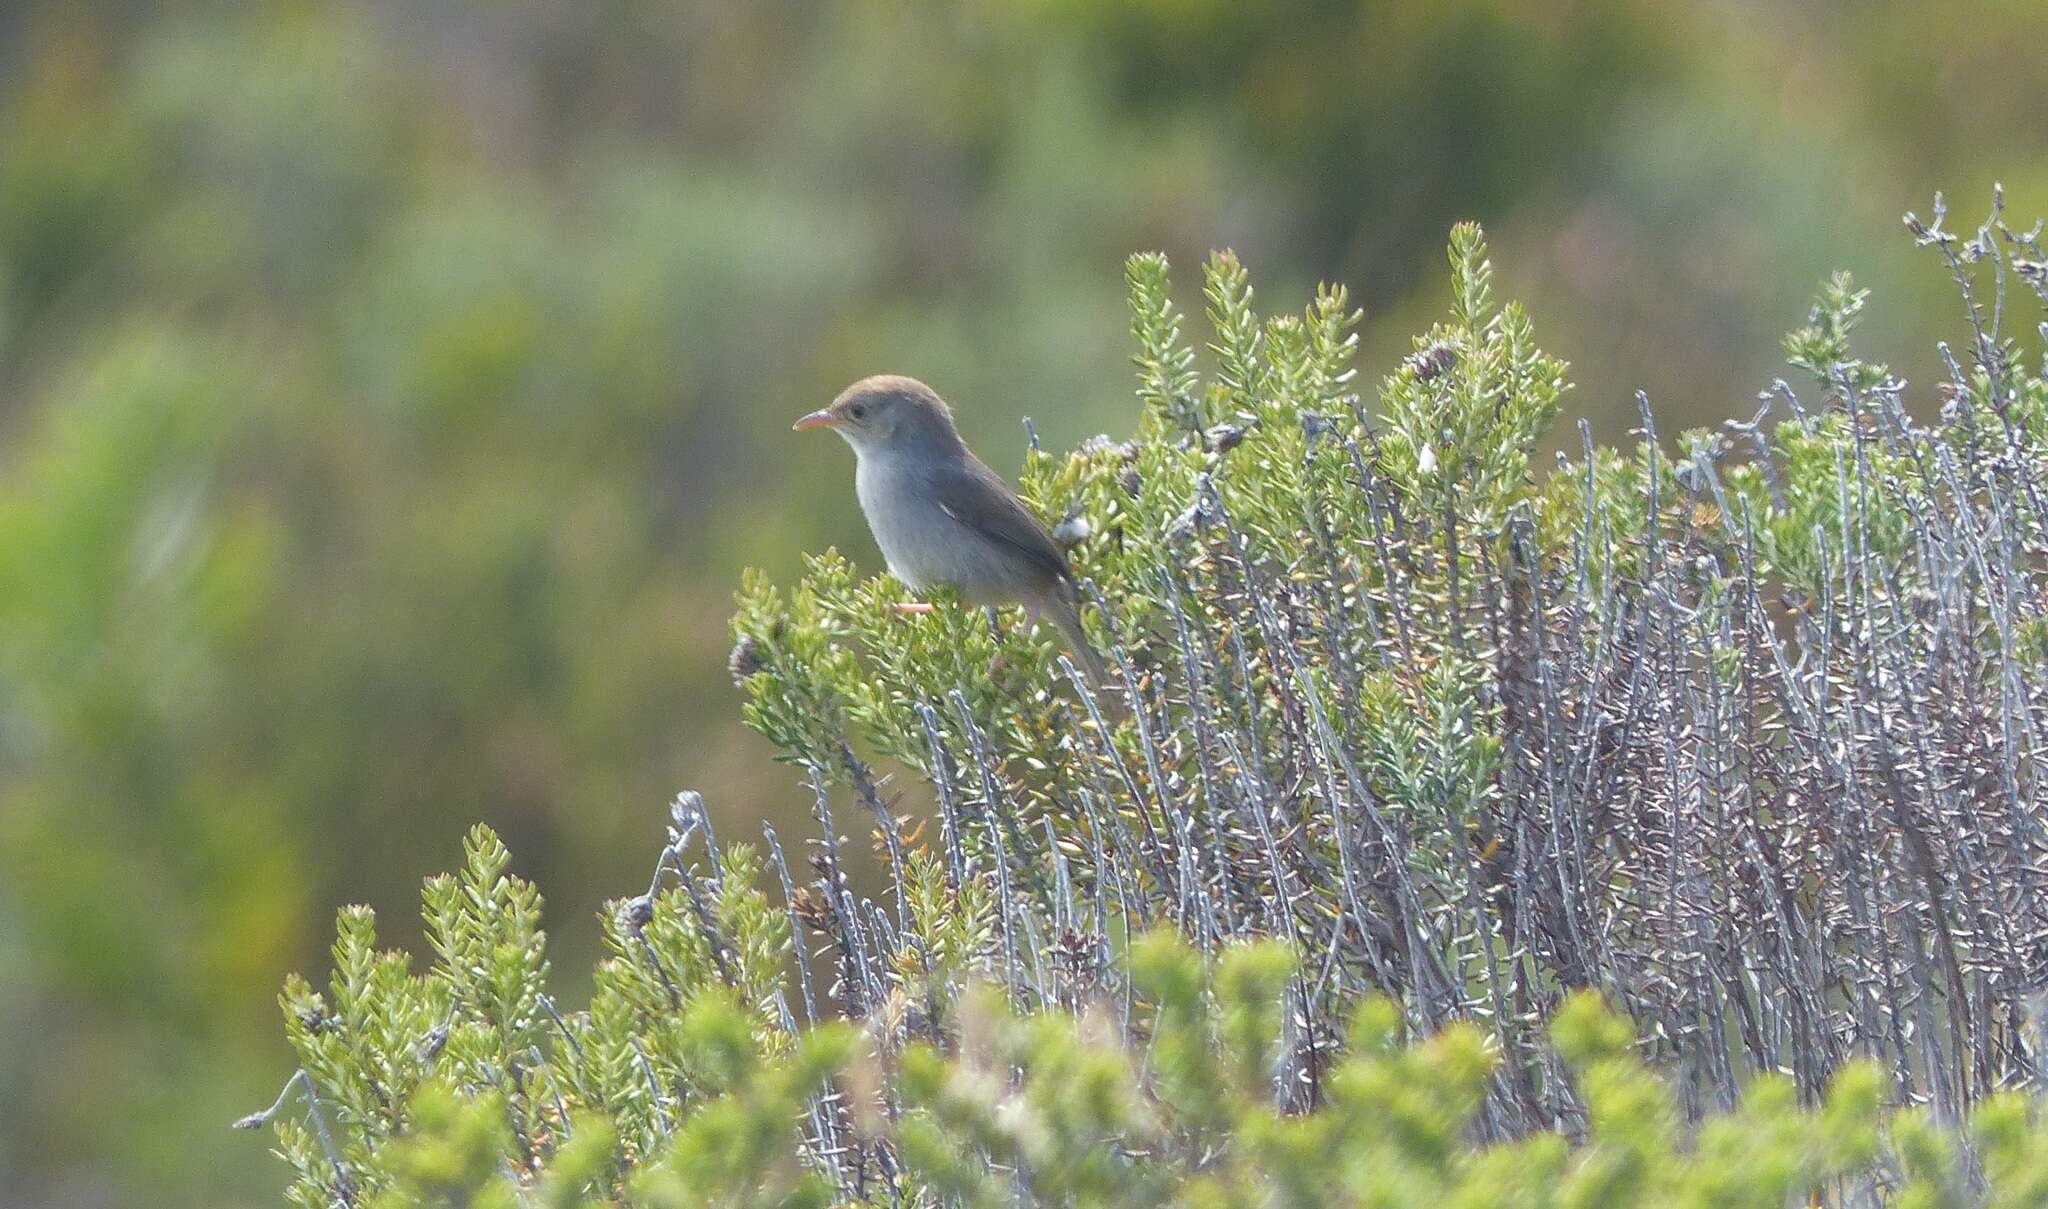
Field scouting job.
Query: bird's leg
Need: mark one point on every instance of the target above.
(914, 608)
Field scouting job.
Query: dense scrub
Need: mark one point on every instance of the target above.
(1737, 733)
(682, 1086)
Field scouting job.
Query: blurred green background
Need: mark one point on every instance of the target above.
(391, 393)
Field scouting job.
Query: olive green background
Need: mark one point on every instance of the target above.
(391, 393)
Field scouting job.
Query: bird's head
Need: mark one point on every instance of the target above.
(888, 413)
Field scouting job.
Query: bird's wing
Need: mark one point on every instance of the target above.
(977, 497)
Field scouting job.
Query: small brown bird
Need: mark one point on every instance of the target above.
(941, 516)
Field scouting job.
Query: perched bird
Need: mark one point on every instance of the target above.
(940, 516)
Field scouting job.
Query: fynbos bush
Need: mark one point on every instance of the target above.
(1739, 734)
(1742, 734)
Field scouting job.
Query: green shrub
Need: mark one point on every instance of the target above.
(1742, 736)
(685, 1084)
(1408, 738)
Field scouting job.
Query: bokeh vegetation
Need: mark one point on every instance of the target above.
(390, 395)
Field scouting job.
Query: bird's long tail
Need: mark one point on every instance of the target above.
(1067, 616)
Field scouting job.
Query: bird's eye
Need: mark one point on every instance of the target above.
(858, 411)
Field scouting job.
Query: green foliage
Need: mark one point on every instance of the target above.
(1473, 736)
(1821, 348)
(1275, 442)
(1362, 886)
(393, 392)
(1168, 1099)
(1464, 413)
(1166, 365)
(423, 1087)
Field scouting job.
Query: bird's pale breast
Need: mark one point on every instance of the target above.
(923, 544)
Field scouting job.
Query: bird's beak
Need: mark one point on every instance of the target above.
(822, 418)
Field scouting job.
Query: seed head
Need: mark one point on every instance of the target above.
(1434, 362)
(745, 659)
(1224, 437)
